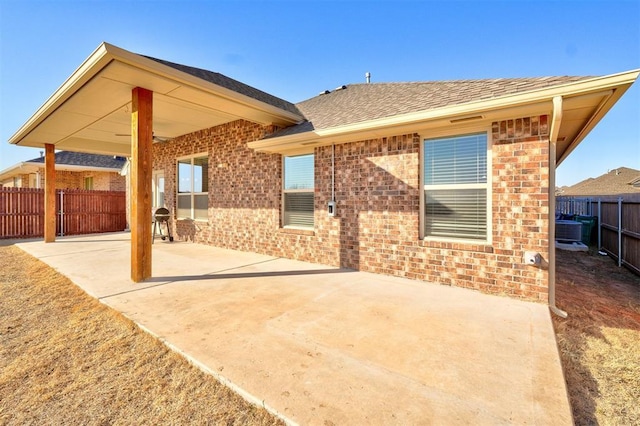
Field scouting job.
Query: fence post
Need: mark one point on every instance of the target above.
(619, 231)
(62, 213)
(599, 223)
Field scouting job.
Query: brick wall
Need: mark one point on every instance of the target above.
(377, 189)
(102, 181)
(117, 182)
(521, 201)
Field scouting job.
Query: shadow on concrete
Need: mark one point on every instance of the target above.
(218, 276)
(166, 280)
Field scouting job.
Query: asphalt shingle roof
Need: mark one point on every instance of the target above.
(86, 160)
(363, 102)
(615, 182)
(231, 84)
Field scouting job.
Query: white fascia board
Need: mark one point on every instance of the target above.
(12, 171)
(532, 99)
(407, 123)
(89, 68)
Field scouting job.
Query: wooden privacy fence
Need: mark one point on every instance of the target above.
(618, 226)
(78, 212)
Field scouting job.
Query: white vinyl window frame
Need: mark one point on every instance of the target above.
(306, 196)
(157, 189)
(193, 196)
(453, 133)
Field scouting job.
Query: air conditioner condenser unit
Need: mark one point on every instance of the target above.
(568, 230)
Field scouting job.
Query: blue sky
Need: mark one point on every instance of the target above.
(295, 49)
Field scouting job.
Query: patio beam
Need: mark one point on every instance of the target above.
(49, 193)
(141, 169)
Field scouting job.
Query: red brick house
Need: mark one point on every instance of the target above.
(74, 170)
(446, 182)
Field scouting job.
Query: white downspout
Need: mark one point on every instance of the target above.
(556, 119)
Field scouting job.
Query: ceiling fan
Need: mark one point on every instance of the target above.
(155, 138)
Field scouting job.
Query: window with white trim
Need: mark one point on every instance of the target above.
(193, 187)
(297, 191)
(88, 183)
(456, 188)
(157, 189)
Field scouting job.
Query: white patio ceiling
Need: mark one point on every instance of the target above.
(91, 111)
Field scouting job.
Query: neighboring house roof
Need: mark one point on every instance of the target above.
(615, 182)
(357, 103)
(231, 84)
(67, 161)
(114, 163)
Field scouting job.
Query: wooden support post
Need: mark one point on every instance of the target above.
(49, 193)
(141, 169)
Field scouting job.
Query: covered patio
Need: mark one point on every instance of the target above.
(322, 345)
(121, 103)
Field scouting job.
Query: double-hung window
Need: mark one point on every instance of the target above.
(456, 187)
(298, 191)
(193, 187)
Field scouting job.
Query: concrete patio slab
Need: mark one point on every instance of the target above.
(322, 345)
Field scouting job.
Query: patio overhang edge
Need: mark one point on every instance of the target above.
(89, 68)
(106, 54)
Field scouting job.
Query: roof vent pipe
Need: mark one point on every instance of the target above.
(367, 75)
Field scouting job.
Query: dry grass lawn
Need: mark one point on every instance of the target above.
(600, 340)
(67, 359)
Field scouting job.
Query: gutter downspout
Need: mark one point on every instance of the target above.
(556, 119)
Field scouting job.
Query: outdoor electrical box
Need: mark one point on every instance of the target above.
(331, 208)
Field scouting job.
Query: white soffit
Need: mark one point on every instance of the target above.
(91, 111)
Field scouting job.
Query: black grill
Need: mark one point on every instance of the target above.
(161, 216)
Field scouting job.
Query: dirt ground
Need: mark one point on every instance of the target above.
(67, 359)
(599, 342)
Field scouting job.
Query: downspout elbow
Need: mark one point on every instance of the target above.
(556, 120)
